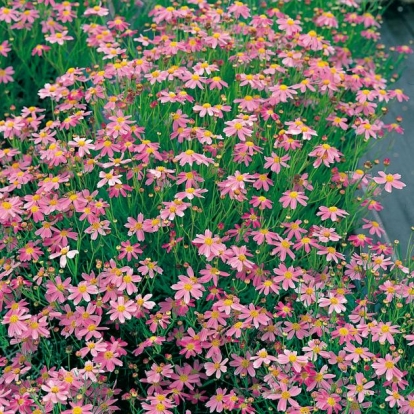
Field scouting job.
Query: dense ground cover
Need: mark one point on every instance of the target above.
(180, 226)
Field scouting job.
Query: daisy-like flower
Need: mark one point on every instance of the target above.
(188, 287)
(82, 291)
(290, 199)
(204, 109)
(208, 245)
(361, 389)
(275, 162)
(284, 396)
(357, 353)
(59, 38)
(238, 127)
(64, 254)
(243, 365)
(287, 276)
(334, 303)
(255, 316)
(390, 180)
(383, 332)
(108, 178)
(238, 258)
(121, 310)
(261, 202)
(262, 357)
(292, 358)
(16, 321)
(332, 213)
(217, 367)
(388, 367)
(6, 75)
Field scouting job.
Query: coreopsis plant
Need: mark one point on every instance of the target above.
(191, 230)
(40, 40)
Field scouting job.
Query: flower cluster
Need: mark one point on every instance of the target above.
(189, 231)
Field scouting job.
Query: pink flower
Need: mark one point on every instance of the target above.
(387, 366)
(383, 332)
(79, 408)
(6, 75)
(390, 180)
(287, 276)
(255, 316)
(208, 245)
(361, 389)
(289, 25)
(203, 110)
(64, 253)
(59, 38)
(357, 353)
(331, 254)
(238, 259)
(262, 357)
(39, 49)
(216, 403)
(82, 291)
(135, 226)
(275, 162)
(15, 320)
(292, 358)
(56, 392)
(332, 213)
(328, 402)
(187, 287)
(216, 367)
(292, 198)
(284, 395)
(238, 127)
(108, 178)
(261, 202)
(243, 365)
(335, 303)
(122, 310)
(394, 398)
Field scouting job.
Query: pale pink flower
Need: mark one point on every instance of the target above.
(390, 180)
(188, 287)
(64, 253)
(388, 367)
(6, 74)
(122, 310)
(59, 38)
(218, 366)
(332, 213)
(361, 389)
(292, 358)
(262, 357)
(335, 303)
(292, 198)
